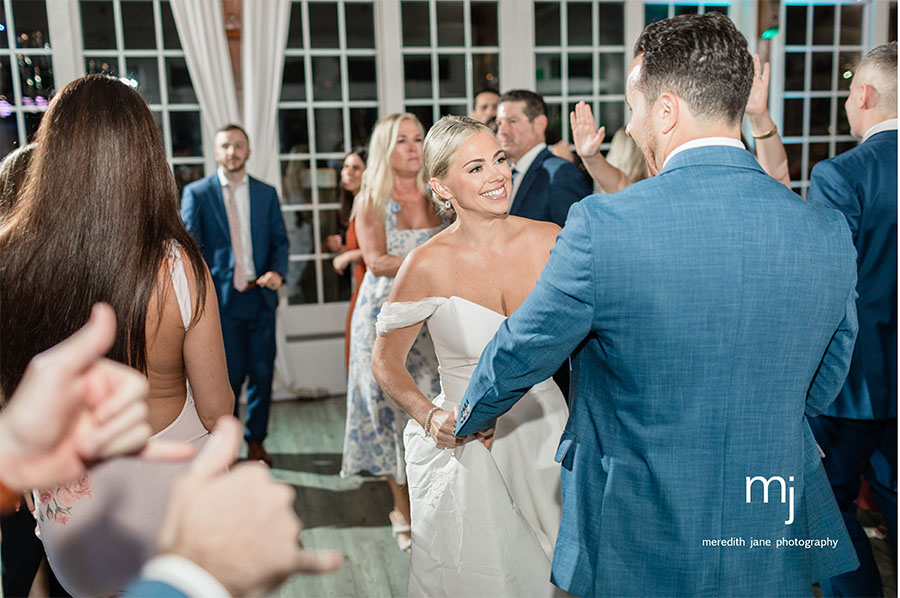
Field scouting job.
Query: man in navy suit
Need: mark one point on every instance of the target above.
(544, 186)
(862, 422)
(236, 220)
(709, 309)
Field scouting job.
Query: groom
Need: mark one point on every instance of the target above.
(708, 309)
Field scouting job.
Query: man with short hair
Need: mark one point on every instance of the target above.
(544, 186)
(862, 422)
(484, 109)
(236, 220)
(709, 308)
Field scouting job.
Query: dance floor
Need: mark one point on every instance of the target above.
(350, 515)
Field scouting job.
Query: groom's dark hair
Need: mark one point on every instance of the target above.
(702, 59)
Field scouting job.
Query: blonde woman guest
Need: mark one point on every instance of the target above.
(393, 216)
(485, 515)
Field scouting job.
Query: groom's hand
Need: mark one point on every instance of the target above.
(486, 437)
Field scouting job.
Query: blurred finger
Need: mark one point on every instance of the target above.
(126, 442)
(316, 562)
(125, 424)
(167, 450)
(221, 450)
(112, 387)
(83, 348)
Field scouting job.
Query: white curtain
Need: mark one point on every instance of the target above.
(264, 37)
(201, 29)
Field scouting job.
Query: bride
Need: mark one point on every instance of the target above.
(485, 514)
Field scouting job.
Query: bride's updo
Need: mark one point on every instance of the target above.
(441, 143)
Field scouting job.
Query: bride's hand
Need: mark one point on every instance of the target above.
(486, 437)
(441, 428)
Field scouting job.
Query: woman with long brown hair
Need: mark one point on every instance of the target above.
(98, 220)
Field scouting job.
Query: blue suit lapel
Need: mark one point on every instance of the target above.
(528, 180)
(218, 205)
(257, 225)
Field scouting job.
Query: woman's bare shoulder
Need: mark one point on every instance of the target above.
(537, 232)
(420, 274)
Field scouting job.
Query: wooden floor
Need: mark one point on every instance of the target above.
(350, 515)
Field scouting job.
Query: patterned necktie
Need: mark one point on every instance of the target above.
(237, 246)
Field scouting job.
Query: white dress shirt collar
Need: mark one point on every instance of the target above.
(885, 125)
(522, 167)
(185, 576)
(704, 142)
(224, 180)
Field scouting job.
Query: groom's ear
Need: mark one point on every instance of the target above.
(438, 187)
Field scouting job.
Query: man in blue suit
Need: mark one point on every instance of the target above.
(236, 220)
(862, 422)
(709, 309)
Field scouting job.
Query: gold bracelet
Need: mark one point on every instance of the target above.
(774, 131)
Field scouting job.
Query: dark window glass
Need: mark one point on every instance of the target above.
(851, 25)
(299, 229)
(362, 121)
(452, 75)
(361, 77)
(579, 23)
(554, 123)
(4, 38)
(181, 91)
(186, 133)
(31, 24)
(822, 63)
(417, 76)
(612, 73)
(820, 116)
(301, 276)
(455, 109)
(424, 114)
(329, 130)
(295, 26)
(611, 24)
(32, 122)
(484, 24)
(186, 173)
(655, 12)
(98, 27)
(817, 153)
(360, 21)
(793, 71)
(335, 287)
(843, 146)
(549, 74)
(581, 74)
(484, 72)
(293, 82)
(686, 9)
(295, 183)
(795, 26)
(793, 117)
(718, 8)
(416, 28)
(171, 41)
(145, 72)
(326, 78)
(97, 64)
(546, 24)
(450, 18)
(137, 25)
(292, 131)
(843, 126)
(823, 25)
(892, 22)
(794, 153)
(6, 86)
(36, 79)
(323, 31)
(612, 116)
(846, 68)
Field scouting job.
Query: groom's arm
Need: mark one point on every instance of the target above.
(532, 343)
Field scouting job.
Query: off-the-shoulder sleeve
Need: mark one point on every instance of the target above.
(406, 313)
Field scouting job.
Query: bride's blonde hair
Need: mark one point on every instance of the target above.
(378, 177)
(441, 143)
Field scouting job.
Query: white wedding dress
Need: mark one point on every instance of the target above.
(484, 523)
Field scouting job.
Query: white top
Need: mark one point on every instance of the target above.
(522, 167)
(704, 142)
(885, 125)
(184, 575)
(242, 198)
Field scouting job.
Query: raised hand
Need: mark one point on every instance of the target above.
(585, 135)
(758, 102)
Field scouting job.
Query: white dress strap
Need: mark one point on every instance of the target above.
(175, 264)
(406, 313)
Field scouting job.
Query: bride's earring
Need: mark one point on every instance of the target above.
(447, 205)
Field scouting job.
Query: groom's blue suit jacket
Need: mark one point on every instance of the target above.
(709, 310)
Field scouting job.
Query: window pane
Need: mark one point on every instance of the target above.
(329, 130)
(821, 71)
(361, 77)
(794, 153)
(301, 279)
(415, 24)
(549, 74)
(6, 85)
(581, 74)
(292, 131)
(326, 182)
(846, 68)
(817, 153)
(417, 76)
(554, 123)
(32, 122)
(454, 109)
(31, 24)
(180, 89)
(187, 173)
(328, 219)
(9, 130)
(484, 24)
(424, 114)
(452, 73)
(295, 182)
(546, 24)
(655, 12)
(793, 117)
(820, 116)
(171, 41)
(186, 133)
(611, 24)
(36, 74)
(843, 127)
(326, 78)
(362, 121)
(146, 72)
(97, 25)
(612, 73)
(579, 23)
(793, 71)
(4, 34)
(295, 26)
(324, 33)
(795, 28)
(336, 288)
(484, 72)
(299, 225)
(360, 20)
(612, 116)
(823, 25)
(293, 83)
(851, 25)
(840, 148)
(137, 25)
(98, 64)
(686, 9)
(450, 18)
